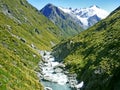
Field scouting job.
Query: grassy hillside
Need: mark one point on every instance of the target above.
(95, 54)
(17, 64)
(22, 30)
(28, 22)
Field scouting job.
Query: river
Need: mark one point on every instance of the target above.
(52, 74)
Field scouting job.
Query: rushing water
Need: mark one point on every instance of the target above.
(52, 75)
(56, 86)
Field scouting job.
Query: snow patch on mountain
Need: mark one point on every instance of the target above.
(83, 20)
(66, 10)
(99, 12)
(83, 14)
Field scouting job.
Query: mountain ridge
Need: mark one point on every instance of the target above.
(83, 14)
(64, 21)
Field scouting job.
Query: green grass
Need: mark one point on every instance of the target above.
(17, 64)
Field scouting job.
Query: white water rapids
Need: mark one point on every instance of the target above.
(52, 73)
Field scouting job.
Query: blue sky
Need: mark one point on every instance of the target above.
(108, 5)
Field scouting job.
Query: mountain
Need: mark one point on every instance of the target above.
(94, 54)
(85, 15)
(64, 21)
(23, 31)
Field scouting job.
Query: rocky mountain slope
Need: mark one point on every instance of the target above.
(87, 16)
(23, 30)
(94, 54)
(64, 21)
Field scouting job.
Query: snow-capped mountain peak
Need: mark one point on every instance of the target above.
(99, 12)
(83, 14)
(94, 6)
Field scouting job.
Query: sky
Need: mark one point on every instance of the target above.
(108, 5)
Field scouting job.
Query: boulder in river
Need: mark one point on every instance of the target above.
(62, 66)
(47, 78)
(80, 85)
(48, 88)
(58, 70)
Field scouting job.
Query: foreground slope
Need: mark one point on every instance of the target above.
(22, 30)
(95, 54)
(17, 64)
(68, 25)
